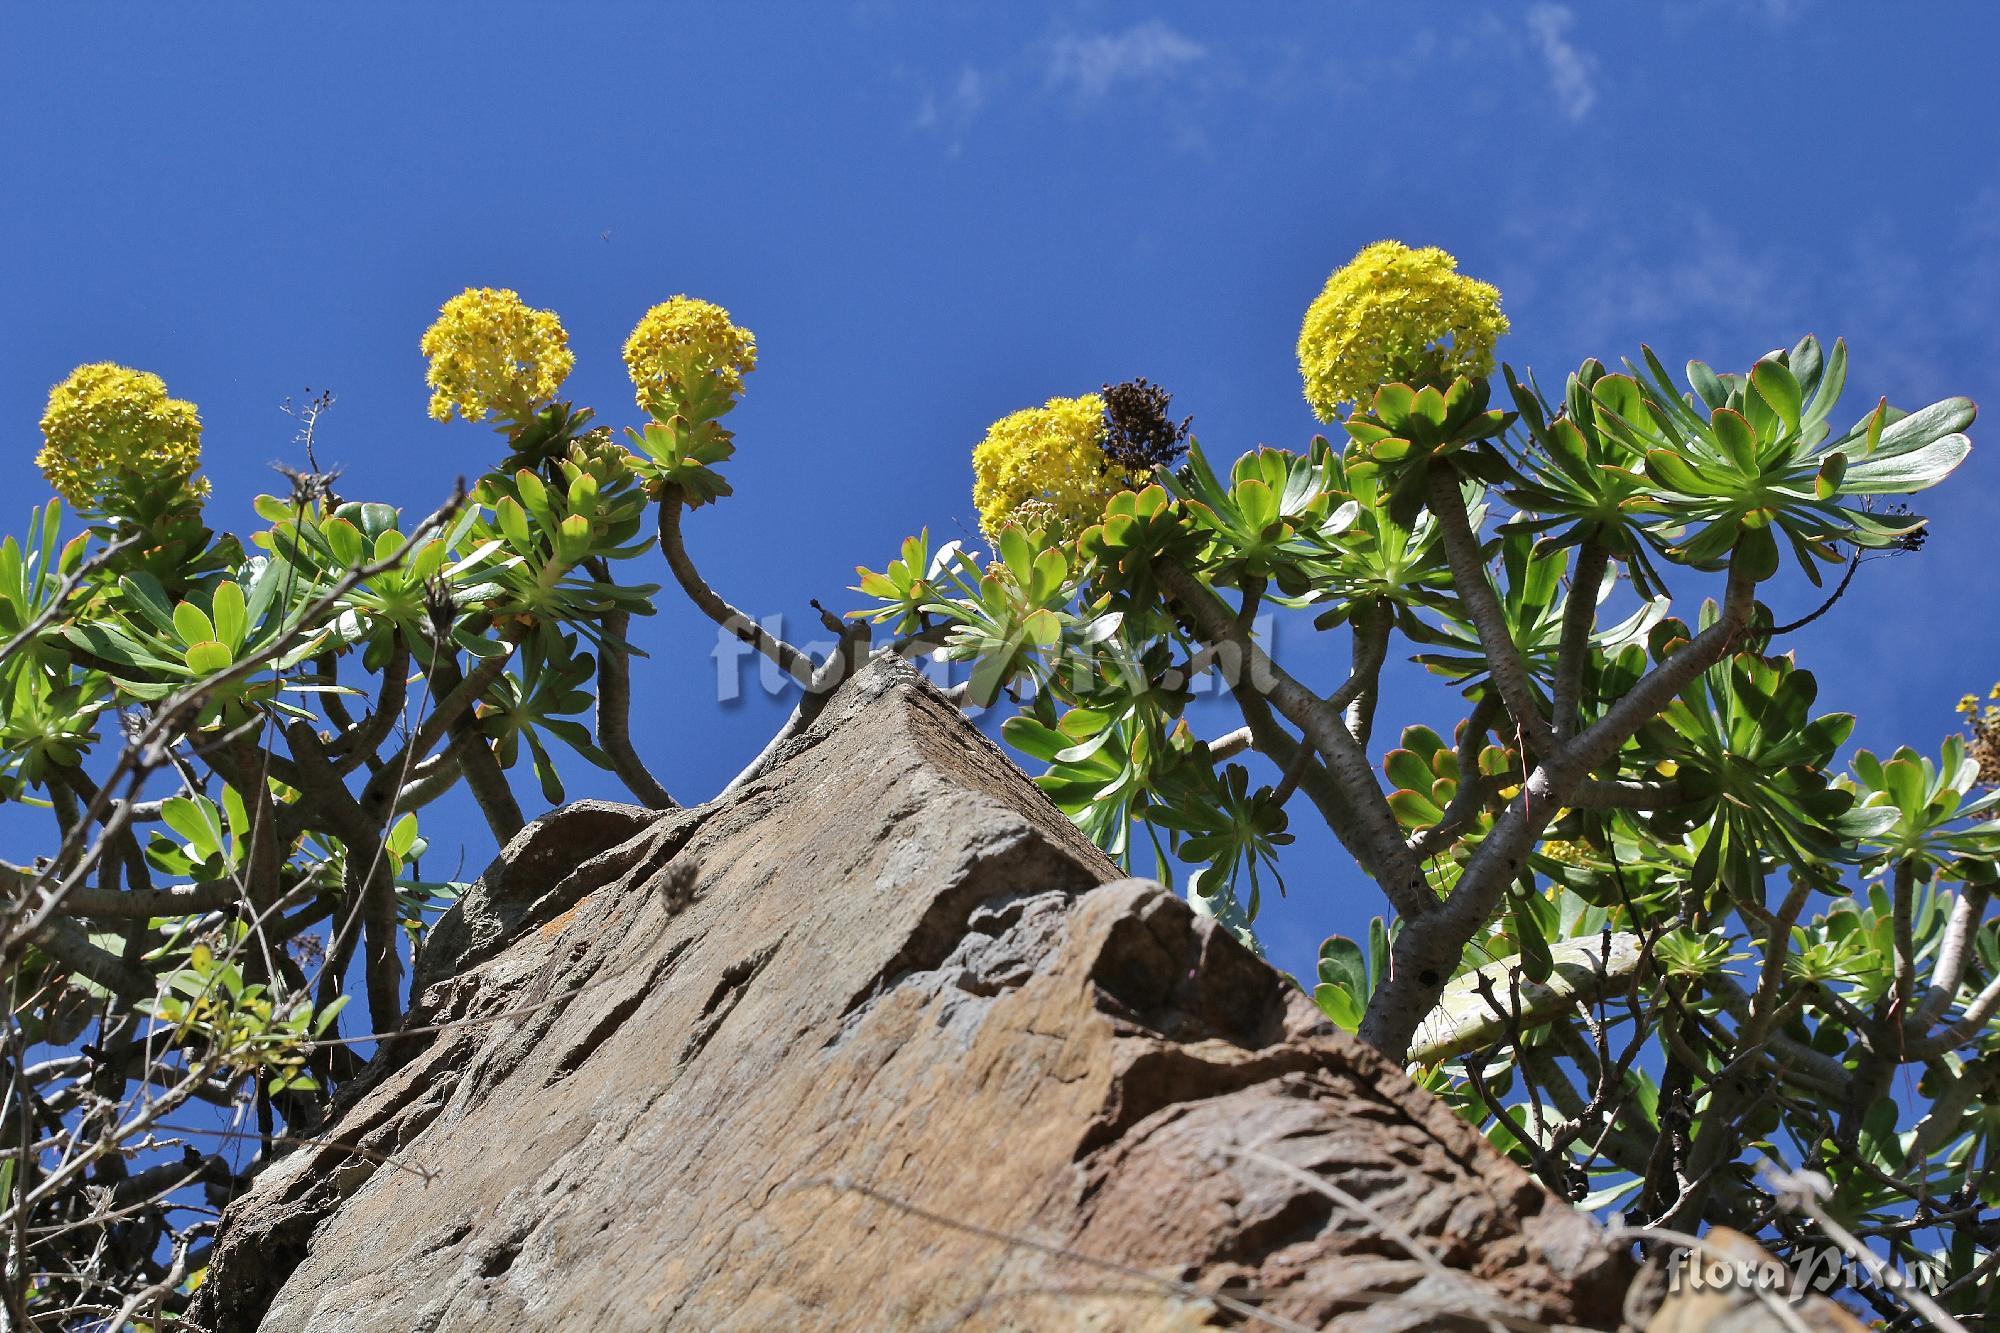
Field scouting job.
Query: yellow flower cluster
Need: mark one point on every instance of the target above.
(1984, 724)
(682, 341)
(1970, 703)
(491, 353)
(112, 434)
(1568, 853)
(1046, 467)
(1395, 313)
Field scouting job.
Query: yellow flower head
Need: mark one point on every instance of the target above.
(114, 442)
(492, 353)
(1046, 467)
(684, 345)
(1568, 853)
(1395, 313)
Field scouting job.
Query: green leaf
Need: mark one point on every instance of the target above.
(1032, 738)
(114, 645)
(1914, 469)
(1708, 386)
(1780, 389)
(1406, 769)
(1393, 401)
(534, 495)
(343, 539)
(1757, 553)
(1674, 471)
(1339, 1005)
(1621, 397)
(1949, 416)
(1414, 810)
(1536, 960)
(145, 594)
(1608, 1195)
(1904, 780)
(236, 815)
(192, 624)
(1257, 504)
(513, 524)
(1341, 963)
(208, 658)
(402, 836)
(1018, 556)
(231, 622)
(1044, 628)
(1737, 436)
(1429, 406)
(195, 825)
(573, 538)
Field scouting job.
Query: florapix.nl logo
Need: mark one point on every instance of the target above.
(1814, 1271)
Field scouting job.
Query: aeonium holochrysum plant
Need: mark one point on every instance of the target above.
(1637, 921)
(1640, 924)
(233, 739)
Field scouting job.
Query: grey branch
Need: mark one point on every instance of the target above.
(614, 714)
(1489, 620)
(1586, 970)
(790, 660)
(1573, 650)
(1382, 851)
(1424, 959)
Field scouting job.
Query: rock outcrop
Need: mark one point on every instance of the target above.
(879, 1042)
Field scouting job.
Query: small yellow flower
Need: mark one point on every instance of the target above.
(683, 345)
(1045, 467)
(1395, 313)
(113, 440)
(492, 354)
(1568, 853)
(1969, 704)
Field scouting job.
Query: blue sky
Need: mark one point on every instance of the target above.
(933, 214)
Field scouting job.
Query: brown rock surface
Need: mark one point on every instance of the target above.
(877, 1043)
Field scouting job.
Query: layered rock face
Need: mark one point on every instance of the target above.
(878, 1042)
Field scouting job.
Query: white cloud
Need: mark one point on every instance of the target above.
(949, 111)
(1692, 14)
(1703, 286)
(1092, 66)
(957, 104)
(1084, 67)
(1572, 73)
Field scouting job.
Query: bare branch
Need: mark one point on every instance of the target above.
(1968, 909)
(1586, 969)
(1579, 618)
(357, 746)
(614, 715)
(1618, 794)
(1382, 851)
(1230, 744)
(1839, 591)
(71, 948)
(1489, 620)
(1424, 959)
(1371, 623)
(790, 660)
(1904, 891)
